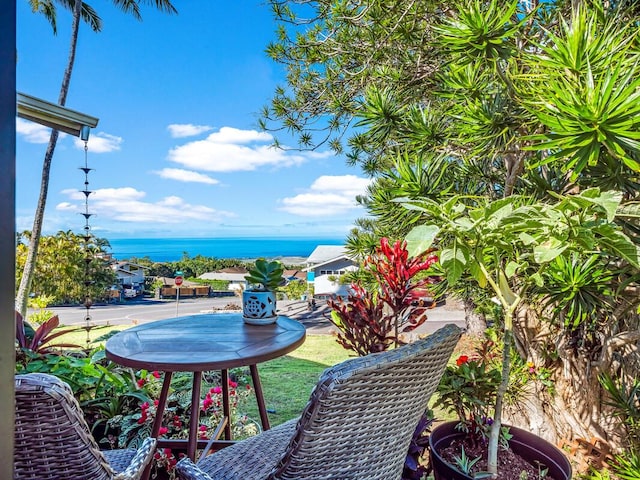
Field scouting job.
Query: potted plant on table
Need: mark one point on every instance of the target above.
(259, 300)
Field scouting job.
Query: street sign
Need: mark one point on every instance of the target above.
(178, 280)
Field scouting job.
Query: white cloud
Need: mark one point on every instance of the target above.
(328, 195)
(32, 132)
(231, 150)
(177, 130)
(100, 143)
(127, 205)
(186, 176)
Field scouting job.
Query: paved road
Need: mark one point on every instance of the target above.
(147, 310)
(140, 311)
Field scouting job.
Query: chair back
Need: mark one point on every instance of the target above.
(363, 412)
(52, 440)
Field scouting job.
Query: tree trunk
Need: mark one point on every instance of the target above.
(577, 407)
(30, 264)
(476, 323)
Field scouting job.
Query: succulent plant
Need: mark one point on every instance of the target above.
(268, 275)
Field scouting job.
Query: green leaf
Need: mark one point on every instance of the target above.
(511, 269)
(505, 290)
(478, 275)
(617, 243)
(547, 251)
(537, 279)
(453, 261)
(420, 239)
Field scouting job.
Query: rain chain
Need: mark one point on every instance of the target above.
(87, 237)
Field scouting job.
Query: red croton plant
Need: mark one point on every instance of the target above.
(371, 321)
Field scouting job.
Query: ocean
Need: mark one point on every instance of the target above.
(173, 249)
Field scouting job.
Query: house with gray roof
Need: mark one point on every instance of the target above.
(325, 265)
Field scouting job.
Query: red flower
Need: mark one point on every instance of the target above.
(462, 359)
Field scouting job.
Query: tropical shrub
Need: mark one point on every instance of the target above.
(370, 321)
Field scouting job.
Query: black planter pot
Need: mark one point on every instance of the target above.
(529, 446)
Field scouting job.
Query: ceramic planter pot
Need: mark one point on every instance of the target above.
(259, 307)
(529, 446)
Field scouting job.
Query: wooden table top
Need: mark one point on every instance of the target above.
(197, 343)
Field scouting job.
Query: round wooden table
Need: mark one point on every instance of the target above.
(199, 343)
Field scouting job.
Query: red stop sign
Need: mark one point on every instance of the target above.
(178, 281)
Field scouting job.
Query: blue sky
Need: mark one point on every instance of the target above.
(177, 151)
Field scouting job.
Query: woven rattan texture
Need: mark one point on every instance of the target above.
(53, 441)
(357, 425)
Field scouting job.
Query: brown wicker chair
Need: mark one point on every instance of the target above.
(357, 425)
(53, 441)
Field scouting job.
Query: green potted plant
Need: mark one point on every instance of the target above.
(259, 300)
(505, 246)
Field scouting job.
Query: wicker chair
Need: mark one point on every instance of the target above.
(357, 424)
(53, 441)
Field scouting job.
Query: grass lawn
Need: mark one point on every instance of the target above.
(287, 382)
(79, 335)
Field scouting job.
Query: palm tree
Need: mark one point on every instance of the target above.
(80, 10)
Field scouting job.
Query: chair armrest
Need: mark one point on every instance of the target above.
(187, 470)
(143, 456)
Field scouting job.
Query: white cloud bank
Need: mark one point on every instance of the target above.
(100, 143)
(186, 176)
(177, 130)
(127, 204)
(328, 195)
(232, 150)
(32, 132)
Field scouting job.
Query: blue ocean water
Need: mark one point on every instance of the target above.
(173, 249)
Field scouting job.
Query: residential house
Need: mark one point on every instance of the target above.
(325, 265)
(233, 275)
(129, 276)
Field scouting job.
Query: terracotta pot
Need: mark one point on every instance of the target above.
(259, 307)
(529, 446)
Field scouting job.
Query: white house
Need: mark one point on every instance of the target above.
(325, 265)
(129, 274)
(233, 275)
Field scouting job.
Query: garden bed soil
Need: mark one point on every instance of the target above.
(511, 466)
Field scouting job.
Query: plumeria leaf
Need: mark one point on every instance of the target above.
(511, 269)
(453, 261)
(547, 251)
(420, 239)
